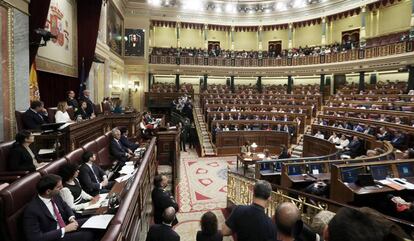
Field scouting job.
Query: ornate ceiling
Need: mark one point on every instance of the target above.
(238, 12)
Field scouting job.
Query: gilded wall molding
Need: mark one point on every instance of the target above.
(21, 5)
(12, 86)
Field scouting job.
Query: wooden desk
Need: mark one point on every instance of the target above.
(83, 132)
(246, 161)
(306, 178)
(313, 146)
(229, 142)
(168, 153)
(344, 192)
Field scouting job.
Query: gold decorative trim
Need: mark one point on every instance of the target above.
(12, 86)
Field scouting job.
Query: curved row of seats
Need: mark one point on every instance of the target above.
(14, 197)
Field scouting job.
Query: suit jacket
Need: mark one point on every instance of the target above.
(162, 232)
(20, 159)
(89, 103)
(128, 144)
(72, 102)
(398, 141)
(385, 137)
(118, 151)
(32, 120)
(161, 200)
(38, 222)
(354, 148)
(88, 180)
(215, 237)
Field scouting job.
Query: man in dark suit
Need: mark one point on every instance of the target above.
(164, 232)
(354, 148)
(90, 106)
(162, 199)
(47, 217)
(35, 116)
(126, 142)
(399, 140)
(72, 101)
(384, 135)
(91, 177)
(117, 150)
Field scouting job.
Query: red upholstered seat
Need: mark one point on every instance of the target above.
(19, 121)
(53, 167)
(75, 157)
(13, 200)
(91, 146)
(104, 159)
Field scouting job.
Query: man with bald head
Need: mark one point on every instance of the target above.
(289, 225)
(164, 231)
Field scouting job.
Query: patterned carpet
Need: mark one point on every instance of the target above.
(202, 187)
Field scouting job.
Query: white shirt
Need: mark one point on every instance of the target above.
(62, 117)
(49, 205)
(320, 136)
(67, 196)
(333, 139)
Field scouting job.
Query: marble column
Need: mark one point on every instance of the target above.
(205, 33)
(410, 85)
(177, 32)
(232, 38)
(361, 85)
(289, 84)
(323, 40)
(107, 78)
(412, 21)
(362, 34)
(290, 36)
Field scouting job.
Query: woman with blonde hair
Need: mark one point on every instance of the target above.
(62, 115)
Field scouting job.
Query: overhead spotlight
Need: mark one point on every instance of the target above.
(218, 9)
(193, 5)
(281, 6)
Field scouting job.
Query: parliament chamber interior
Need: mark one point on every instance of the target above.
(235, 120)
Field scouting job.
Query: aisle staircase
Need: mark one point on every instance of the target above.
(297, 149)
(204, 136)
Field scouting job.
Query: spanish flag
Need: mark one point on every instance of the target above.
(33, 85)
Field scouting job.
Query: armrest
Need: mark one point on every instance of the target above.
(40, 159)
(14, 173)
(9, 179)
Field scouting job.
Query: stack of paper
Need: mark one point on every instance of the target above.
(102, 202)
(98, 221)
(123, 178)
(127, 169)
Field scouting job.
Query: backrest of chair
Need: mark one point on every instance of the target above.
(19, 115)
(14, 199)
(91, 146)
(53, 167)
(71, 113)
(106, 107)
(97, 109)
(4, 154)
(75, 157)
(51, 114)
(103, 156)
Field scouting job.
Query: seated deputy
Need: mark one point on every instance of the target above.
(21, 157)
(48, 218)
(117, 150)
(132, 146)
(35, 116)
(72, 193)
(92, 178)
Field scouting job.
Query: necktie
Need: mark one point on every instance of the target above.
(58, 216)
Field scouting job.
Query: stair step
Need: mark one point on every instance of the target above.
(299, 148)
(295, 156)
